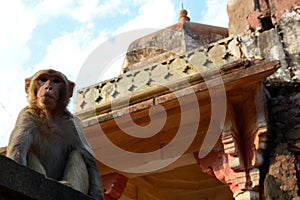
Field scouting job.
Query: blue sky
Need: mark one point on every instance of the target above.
(38, 34)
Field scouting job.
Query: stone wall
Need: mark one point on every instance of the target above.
(282, 166)
(283, 159)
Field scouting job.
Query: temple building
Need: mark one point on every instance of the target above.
(209, 90)
(201, 112)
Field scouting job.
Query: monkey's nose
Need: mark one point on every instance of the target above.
(48, 87)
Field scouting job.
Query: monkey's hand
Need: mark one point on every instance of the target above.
(67, 183)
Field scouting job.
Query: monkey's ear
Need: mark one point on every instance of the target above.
(71, 88)
(27, 84)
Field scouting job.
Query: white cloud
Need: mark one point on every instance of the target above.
(17, 23)
(86, 11)
(47, 9)
(152, 14)
(216, 13)
(12, 99)
(81, 10)
(67, 52)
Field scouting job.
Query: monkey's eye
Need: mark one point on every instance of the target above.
(43, 79)
(56, 80)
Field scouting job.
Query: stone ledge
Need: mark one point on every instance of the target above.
(19, 182)
(237, 78)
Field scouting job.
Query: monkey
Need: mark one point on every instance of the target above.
(49, 139)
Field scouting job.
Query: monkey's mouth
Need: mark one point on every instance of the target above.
(47, 100)
(47, 95)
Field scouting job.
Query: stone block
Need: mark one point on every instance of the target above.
(238, 11)
(248, 195)
(19, 182)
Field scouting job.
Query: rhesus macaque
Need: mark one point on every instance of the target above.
(49, 139)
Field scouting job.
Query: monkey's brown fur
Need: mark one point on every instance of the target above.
(49, 139)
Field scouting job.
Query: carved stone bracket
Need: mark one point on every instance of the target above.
(113, 185)
(238, 154)
(230, 144)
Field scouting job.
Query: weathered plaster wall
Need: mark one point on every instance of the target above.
(289, 27)
(250, 19)
(251, 15)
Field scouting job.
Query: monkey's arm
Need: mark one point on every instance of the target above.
(95, 183)
(20, 138)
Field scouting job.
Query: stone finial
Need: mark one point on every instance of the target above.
(183, 16)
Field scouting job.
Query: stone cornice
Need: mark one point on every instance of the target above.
(178, 72)
(173, 74)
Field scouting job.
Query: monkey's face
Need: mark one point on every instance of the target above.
(48, 93)
(49, 90)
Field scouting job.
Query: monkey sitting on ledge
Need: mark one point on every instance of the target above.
(49, 139)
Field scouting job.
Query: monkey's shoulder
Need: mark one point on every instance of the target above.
(29, 112)
(31, 117)
(27, 117)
